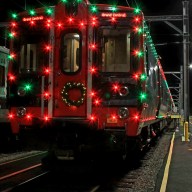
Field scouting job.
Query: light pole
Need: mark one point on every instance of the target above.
(186, 59)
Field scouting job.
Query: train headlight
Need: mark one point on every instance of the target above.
(21, 91)
(21, 111)
(123, 112)
(123, 91)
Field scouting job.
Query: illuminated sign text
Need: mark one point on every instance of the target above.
(37, 18)
(113, 15)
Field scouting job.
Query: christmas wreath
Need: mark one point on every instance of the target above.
(65, 93)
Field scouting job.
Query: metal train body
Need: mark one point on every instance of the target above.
(88, 72)
(4, 53)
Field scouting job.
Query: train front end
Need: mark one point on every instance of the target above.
(99, 77)
(79, 69)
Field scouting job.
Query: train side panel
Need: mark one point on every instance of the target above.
(4, 53)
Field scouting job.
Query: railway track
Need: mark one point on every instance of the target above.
(102, 176)
(20, 168)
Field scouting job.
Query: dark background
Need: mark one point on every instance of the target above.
(167, 40)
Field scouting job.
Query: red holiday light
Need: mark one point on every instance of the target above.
(70, 20)
(136, 76)
(137, 19)
(115, 87)
(32, 23)
(92, 118)
(47, 71)
(82, 24)
(47, 47)
(114, 116)
(46, 118)
(46, 95)
(93, 70)
(13, 24)
(28, 117)
(136, 29)
(94, 21)
(97, 102)
(59, 25)
(93, 94)
(113, 20)
(136, 117)
(93, 46)
(48, 23)
(11, 77)
(10, 115)
(12, 55)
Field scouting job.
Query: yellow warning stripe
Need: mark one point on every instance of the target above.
(166, 172)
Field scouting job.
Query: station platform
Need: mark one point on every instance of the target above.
(176, 174)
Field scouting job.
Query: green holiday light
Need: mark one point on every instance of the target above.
(143, 77)
(137, 10)
(142, 96)
(114, 8)
(139, 53)
(14, 15)
(27, 87)
(139, 30)
(166, 84)
(32, 12)
(94, 9)
(10, 35)
(64, 1)
(107, 95)
(49, 11)
(10, 57)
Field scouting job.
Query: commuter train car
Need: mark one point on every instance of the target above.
(4, 53)
(90, 74)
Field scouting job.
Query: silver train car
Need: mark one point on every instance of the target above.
(4, 53)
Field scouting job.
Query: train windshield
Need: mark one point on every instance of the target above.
(114, 50)
(32, 55)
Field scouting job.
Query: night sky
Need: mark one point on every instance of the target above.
(170, 52)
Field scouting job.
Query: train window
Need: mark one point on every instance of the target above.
(70, 52)
(2, 76)
(32, 58)
(114, 51)
(146, 60)
(154, 79)
(31, 50)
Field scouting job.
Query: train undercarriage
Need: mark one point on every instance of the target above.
(80, 143)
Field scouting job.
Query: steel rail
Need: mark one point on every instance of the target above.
(19, 172)
(27, 181)
(21, 158)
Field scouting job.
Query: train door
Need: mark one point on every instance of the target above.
(70, 74)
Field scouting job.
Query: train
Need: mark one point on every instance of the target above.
(5, 132)
(4, 53)
(88, 74)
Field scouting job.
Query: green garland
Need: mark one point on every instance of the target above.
(65, 93)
